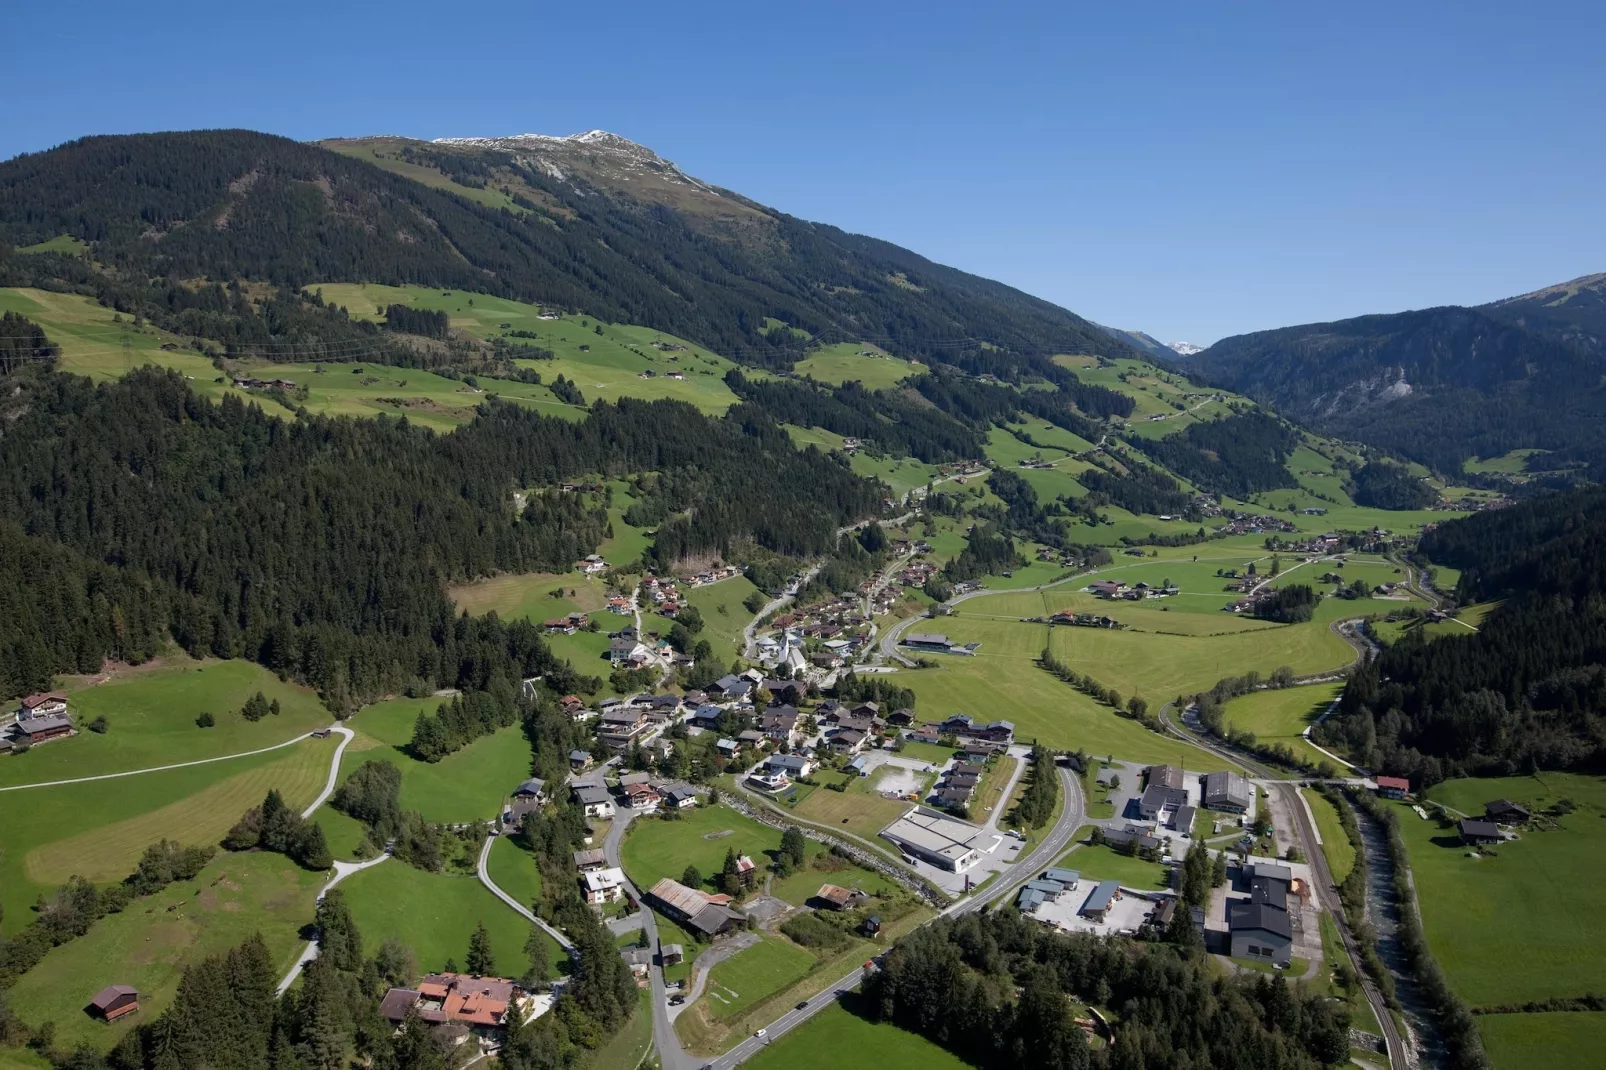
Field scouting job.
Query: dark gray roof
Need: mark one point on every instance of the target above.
(591, 794)
(1101, 897)
(534, 786)
(1483, 830)
(1243, 916)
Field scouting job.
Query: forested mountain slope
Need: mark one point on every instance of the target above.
(1441, 385)
(1528, 688)
(232, 204)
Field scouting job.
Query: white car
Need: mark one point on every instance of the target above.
(761, 1034)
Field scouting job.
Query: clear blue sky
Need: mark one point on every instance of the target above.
(1193, 170)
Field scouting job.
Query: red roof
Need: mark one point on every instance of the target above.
(1399, 783)
(40, 699)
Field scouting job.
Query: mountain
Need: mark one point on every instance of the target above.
(591, 223)
(1146, 344)
(1184, 349)
(1441, 385)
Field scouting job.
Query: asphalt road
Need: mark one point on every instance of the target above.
(1042, 856)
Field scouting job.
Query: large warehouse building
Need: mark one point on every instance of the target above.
(941, 841)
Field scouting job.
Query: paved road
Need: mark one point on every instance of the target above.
(334, 769)
(310, 952)
(1042, 856)
(529, 915)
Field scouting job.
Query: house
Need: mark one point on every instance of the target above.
(793, 765)
(752, 737)
(706, 717)
(1259, 931)
(779, 723)
(592, 565)
(926, 733)
(663, 707)
(620, 725)
(746, 871)
(956, 725)
(1228, 791)
(628, 651)
(1165, 776)
(603, 885)
(728, 688)
(46, 704)
(1506, 812)
(671, 954)
(694, 909)
(639, 959)
(846, 741)
(953, 797)
(785, 691)
(1107, 588)
(1476, 832)
(572, 706)
(1099, 901)
(526, 799)
(679, 796)
(41, 729)
(935, 642)
(834, 897)
(113, 1002)
(860, 765)
(589, 859)
(579, 759)
(461, 1004)
(565, 625)
(1182, 820)
(1393, 787)
(901, 718)
(643, 798)
(727, 747)
(594, 799)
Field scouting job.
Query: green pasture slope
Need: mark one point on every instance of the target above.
(1280, 716)
(867, 364)
(657, 849)
(753, 974)
(434, 915)
(836, 1039)
(149, 944)
(468, 785)
(608, 365)
(150, 715)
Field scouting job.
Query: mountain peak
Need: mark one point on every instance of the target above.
(1184, 349)
(599, 152)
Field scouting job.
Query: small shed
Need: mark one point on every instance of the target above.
(114, 1001)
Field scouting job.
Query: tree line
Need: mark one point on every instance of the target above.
(1237, 456)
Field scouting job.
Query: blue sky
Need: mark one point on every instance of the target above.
(1193, 170)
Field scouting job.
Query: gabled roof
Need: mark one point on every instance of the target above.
(533, 786)
(1261, 917)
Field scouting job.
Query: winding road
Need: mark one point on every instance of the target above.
(529, 915)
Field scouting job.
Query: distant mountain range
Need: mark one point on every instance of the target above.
(1151, 346)
(1442, 385)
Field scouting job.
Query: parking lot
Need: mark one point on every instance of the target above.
(1126, 914)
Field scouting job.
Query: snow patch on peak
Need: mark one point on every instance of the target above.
(602, 151)
(1184, 349)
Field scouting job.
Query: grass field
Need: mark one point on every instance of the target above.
(1544, 1041)
(434, 914)
(724, 616)
(1548, 879)
(836, 1039)
(93, 342)
(148, 944)
(1279, 716)
(628, 542)
(627, 1049)
(150, 713)
(1102, 863)
(109, 852)
(1335, 845)
(656, 849)
(608, 364)
(513, 870)
(197, 811)
(529, 595)
(753, 974)
(841, 362)
(859, 812)
(466, 786)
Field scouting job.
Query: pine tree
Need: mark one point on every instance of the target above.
(339, 942)
(312, 848)
(793, 845)
(691, 878)
(730, 876)
(481, 960)
(540, 964)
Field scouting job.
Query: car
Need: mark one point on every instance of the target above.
(803, 1006)
(761, 1034)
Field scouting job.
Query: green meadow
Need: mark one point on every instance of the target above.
(513, 870)
(1099, 862)
(656, 849)
(469, 785)
(724, 616)
(610, 364)
(836, 1039)
(753, 974)
(1336, 846)
(530, 595)
(98, 831)
(434, 914)
(1544, 1041)
(867, 364)
(150, 714)
(1280, 716)
(1529, 921)
(148, 944)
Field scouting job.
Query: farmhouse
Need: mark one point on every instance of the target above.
(779, 723)
(1506, 812)
(579, 759)
(41, 729)
(113, 1002)
(47, 704)
(1137, 836)
(594, 799)
(589, 859)
(937, 643)
(527, 798)
(834, 897)
(1475, 832)
(1393, 787)
(694, 909)
(940, 841)
(460, 1002)
(846, 741)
